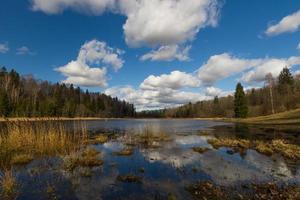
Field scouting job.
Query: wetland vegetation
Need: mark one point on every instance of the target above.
(163, 159)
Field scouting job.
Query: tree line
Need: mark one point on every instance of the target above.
(24, 96)
(278, 94)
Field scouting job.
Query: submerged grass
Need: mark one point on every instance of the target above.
(21, 141)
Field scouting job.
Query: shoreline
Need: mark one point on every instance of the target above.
(284, 118)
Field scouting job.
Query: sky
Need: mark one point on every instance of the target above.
(153, 53)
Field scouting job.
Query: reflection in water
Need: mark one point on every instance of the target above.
(166, 168)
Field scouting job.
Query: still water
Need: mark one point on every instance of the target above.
(165, 170)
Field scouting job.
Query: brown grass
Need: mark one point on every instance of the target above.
(8, 186)
(200, 149)
(37, 139)
(290, 151)
(90, 157)
(124, 152)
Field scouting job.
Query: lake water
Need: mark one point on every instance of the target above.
(164, 171)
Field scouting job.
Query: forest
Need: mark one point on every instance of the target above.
(24, 96)
(278, 94)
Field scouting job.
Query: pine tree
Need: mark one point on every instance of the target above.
(240, 102)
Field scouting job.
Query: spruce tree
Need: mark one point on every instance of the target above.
(240, 102)
(285, 77)
(4, 104)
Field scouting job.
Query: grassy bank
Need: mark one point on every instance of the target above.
(288, 117)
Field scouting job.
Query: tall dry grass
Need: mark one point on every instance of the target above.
(39, 139)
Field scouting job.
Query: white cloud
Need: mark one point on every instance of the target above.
(4, 48)
(168, 53)
(222, 66)
(95, 7)
(93, 53)
(298, 47)
(269, 65)
(154, 99)
(174, 80)
(156, 22)
(290, 23)
(24, 51)
(152, 23)
(225, 65)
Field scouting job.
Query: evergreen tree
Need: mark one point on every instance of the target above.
(240, 102)
(285, 77)
(4, 104)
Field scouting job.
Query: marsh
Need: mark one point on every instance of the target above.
(157, 159)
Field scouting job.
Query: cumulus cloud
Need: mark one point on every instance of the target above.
(24, 51)
(93, 53)
(225, 65)
(174, 80)
(298, 47)
(156, 22)
(154, 99)
(152, 23)
(4, 48)
(290, 23)
(222, 66)
(168, 53)
(272, 65)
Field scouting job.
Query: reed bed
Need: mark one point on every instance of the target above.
(38, 139)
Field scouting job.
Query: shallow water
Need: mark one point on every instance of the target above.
(167, 169)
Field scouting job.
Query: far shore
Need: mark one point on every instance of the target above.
(285, 118)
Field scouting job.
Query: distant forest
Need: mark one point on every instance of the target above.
(278, 94)
(24, 96)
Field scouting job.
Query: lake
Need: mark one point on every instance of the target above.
(163, 169)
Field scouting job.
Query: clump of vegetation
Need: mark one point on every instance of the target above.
(101, 138)
(124, 152)
(129, 178)
(88, 158)
(8, 185)
(206, 190)
(289, 151)
(264, 148)
(151, 136)
(21, 141)
(239, 145)
(21, 159)
(200, 149)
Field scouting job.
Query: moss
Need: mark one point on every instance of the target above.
(200, 149)
(129, 178)
(21, 159)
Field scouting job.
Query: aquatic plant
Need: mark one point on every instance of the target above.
(22, 138)
(200, 149)
(90, 157)
(289, 151)
(124, 152)
(8, 185)
(21, 159)
(129, 178)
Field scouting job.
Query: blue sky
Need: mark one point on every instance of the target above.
(151, 53)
